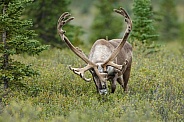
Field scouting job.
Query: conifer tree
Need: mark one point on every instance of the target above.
(169, 26)
(16, 38)
(143, 29)
(106, 23)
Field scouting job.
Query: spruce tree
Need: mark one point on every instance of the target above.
(16, 38)
(106, 23)
(143, 28)
(169, 26)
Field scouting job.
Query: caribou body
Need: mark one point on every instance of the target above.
(109, 60)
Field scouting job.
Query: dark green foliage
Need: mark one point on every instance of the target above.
(106, 23)
(16, 38)
(45, 14)
(169, 26)
(143, 28)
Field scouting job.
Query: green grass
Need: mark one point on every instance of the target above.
(155, 91)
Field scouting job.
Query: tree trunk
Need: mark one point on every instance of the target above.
(5, 55)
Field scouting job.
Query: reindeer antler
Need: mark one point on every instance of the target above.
(109, 61)
(63, 19)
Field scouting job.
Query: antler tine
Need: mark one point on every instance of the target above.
(62, 21)
(121, 11)
(81, 71)
(124, 13)
(63, 16)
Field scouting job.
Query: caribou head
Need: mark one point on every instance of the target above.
(109, 60)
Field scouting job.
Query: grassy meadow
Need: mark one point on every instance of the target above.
(156, 91)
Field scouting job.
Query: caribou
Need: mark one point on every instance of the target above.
(108, 60)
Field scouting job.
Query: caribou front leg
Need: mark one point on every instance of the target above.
(113, 83)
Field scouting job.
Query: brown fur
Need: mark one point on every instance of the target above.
(125, 54)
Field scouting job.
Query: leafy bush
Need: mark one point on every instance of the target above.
(21, 111)
(155, 91)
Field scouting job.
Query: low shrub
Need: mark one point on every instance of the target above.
(57, 94)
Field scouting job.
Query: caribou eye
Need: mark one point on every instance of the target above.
(92, 71)
(100, 69)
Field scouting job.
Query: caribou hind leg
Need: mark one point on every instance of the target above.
(120, 81)
(113, 86)
(117, 78)
(126, 76)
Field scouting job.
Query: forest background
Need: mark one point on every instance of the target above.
(167, 16)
